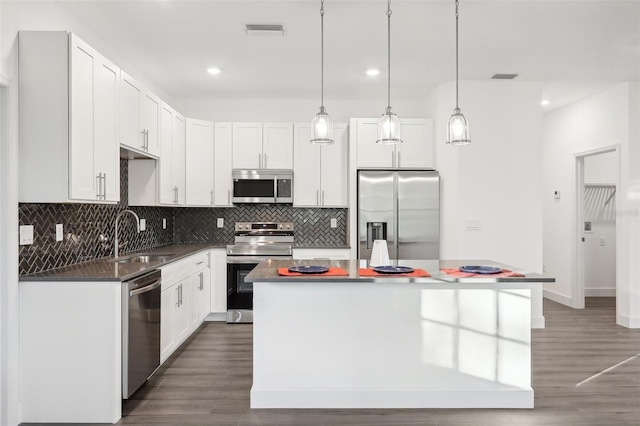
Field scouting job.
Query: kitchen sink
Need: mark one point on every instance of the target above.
(143, 258)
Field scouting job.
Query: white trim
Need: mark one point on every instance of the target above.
(9, 306)
(578, 291)
(557, 297)
(626, 321)
(600, 292)
(538, 322)
(217, 316)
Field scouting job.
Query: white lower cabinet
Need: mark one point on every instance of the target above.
(184, 302)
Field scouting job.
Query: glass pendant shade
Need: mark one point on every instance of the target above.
(322, 128)
(389, 128)
(458, 129)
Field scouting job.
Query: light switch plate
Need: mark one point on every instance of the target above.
(472, 224)
(143, 224)
(59, 232)
(220, 222)
(602, 241)
(26, 235)
(164, 223)
(334, 222)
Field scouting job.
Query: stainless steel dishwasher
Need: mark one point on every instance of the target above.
(140, 330)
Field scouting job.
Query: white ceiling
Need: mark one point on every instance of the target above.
(574, 47)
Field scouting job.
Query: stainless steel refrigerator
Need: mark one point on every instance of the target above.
(402, 207)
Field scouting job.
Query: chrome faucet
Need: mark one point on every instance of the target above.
(122, 213)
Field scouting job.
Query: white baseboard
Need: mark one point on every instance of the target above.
(217, 316)
(600, 292)
(538, 322)
(557, 297)
(629, 322)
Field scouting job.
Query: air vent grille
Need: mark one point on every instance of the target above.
(264, 29)
(504, 76)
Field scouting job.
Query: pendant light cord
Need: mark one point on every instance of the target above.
(389, 53)
(322, 53)
(457, 2)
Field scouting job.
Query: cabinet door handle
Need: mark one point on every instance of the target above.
(200, 263)
(147, 139)
(201, 281)
(393, 159)
(259, 160)
(323, 197)
(317, 197)
(143, 139)
(265, 160)
(177, 296)
(228, 197)
(104, 186)
(399, 159)
(212, 197)
(99, 188)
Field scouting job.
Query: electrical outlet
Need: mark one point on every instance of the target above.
(220, 222)
(143, 224)
(59, 232)
(334, 222)
(602, 241)
(26, 235)
(164, 223)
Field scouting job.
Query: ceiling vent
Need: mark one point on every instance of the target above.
(264, 29)
(504, 76)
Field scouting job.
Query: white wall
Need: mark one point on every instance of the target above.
(497, 178)
(601, 168)
(296, 110)
(605, 119)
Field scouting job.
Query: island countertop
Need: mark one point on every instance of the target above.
(267, 271)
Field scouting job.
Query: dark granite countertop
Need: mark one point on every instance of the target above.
(267, 271)
(106, 269)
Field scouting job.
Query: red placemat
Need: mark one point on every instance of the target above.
(371, 273)
(454, 272)
(335, 272)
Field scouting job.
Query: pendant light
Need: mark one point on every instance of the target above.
(321, 124)
(458, 127)
(389, 123)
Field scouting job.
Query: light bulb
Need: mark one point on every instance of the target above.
(321, 127)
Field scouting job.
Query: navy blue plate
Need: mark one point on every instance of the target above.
(392, 269)
(487, 270)
(309, 269)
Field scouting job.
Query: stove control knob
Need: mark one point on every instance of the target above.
(288, 226)
(280, 226)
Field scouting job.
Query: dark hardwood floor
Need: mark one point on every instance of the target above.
(207, 382)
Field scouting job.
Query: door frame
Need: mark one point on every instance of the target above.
(578, 263)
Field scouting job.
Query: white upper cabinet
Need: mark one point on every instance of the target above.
(320, 170)
(172, 156)
(263, 146)
(139, 116)
(199, 168)
(68, 111)
(247, 144)
(223, 146)
(416, 151)
(277, 146)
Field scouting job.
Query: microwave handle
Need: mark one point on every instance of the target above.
(275, 189)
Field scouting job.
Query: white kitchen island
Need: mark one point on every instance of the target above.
(390, 342)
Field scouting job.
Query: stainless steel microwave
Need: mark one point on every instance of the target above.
(262, 186)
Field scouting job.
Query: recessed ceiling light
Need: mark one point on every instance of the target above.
(373, 72)
(213, 71)
(544, 102)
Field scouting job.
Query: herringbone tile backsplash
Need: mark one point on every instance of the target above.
(89, 228)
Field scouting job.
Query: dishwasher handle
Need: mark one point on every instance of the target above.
(146, 288)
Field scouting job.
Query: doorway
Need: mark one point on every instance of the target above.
(597, 234)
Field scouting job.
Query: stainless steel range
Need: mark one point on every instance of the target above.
(253, 243)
